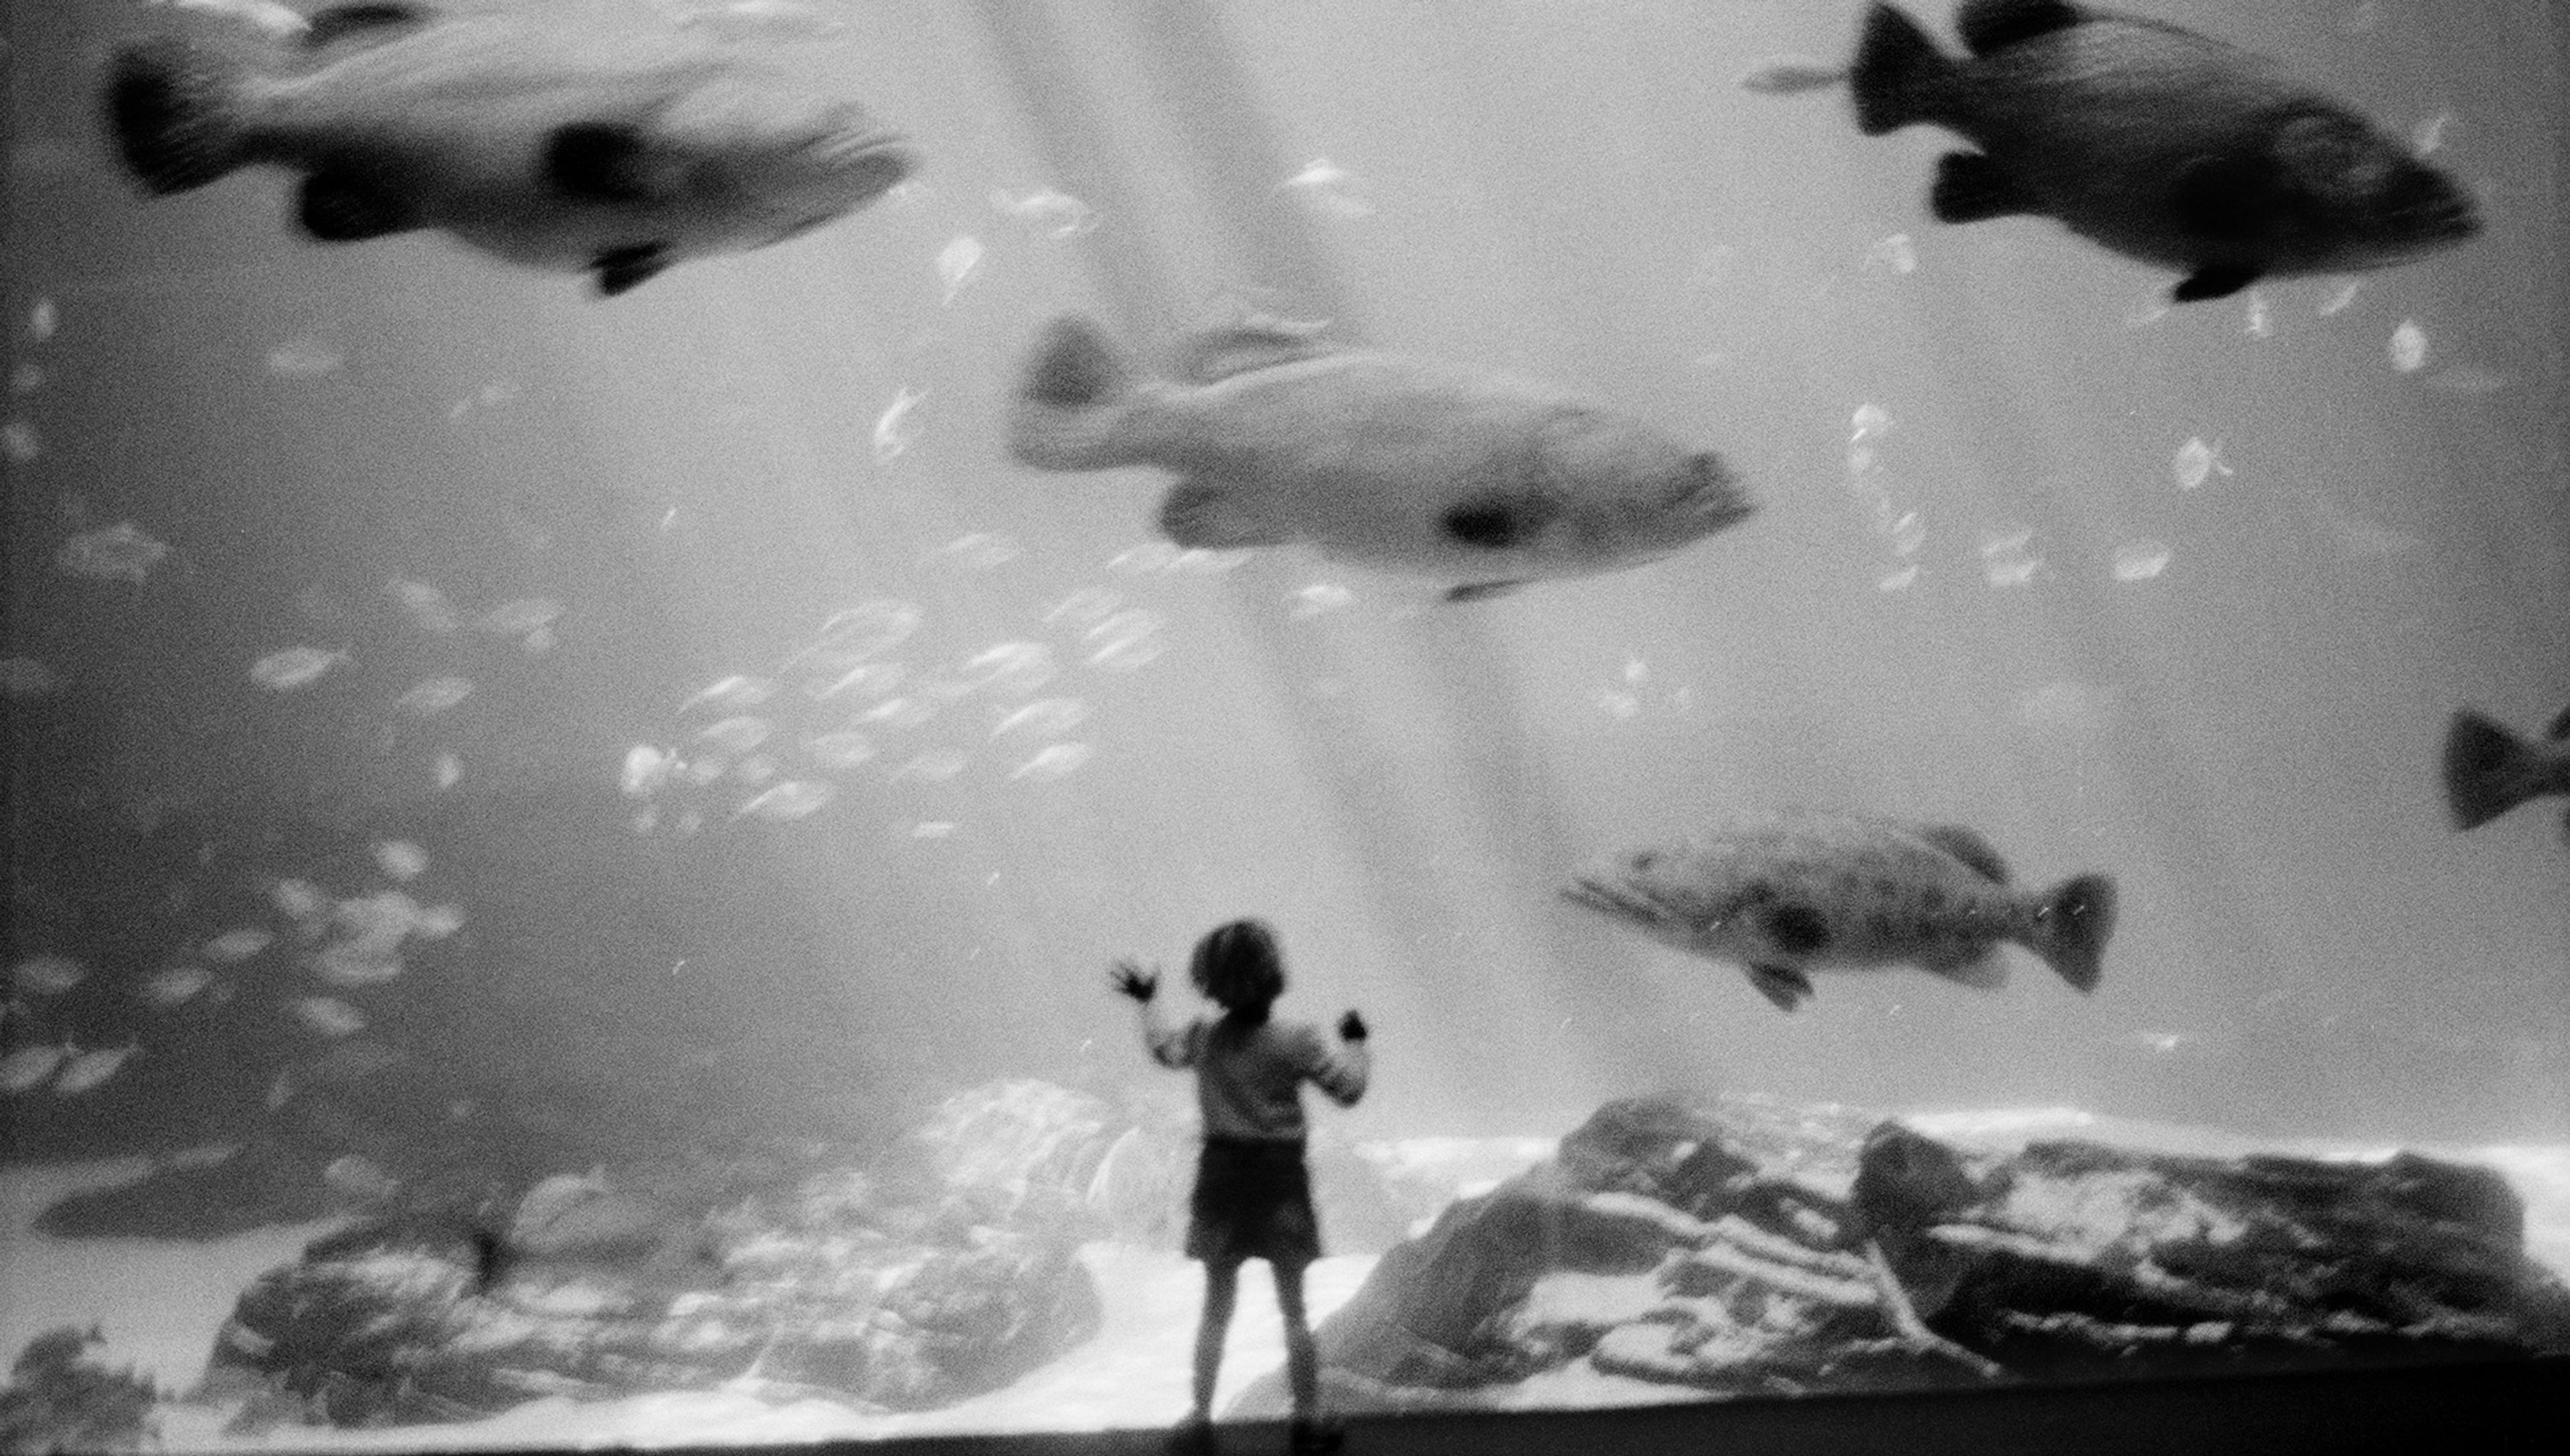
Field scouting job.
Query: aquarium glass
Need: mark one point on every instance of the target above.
(570, 818)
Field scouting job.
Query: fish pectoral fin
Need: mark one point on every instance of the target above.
(1481, 591)
(1983, 969)
(368, 23)
(604, 162)
(622, 269)
(1199, 515)
(2215, 280)
(1783, 984)
(334, 207)
(1258, 343)
(1970, 188)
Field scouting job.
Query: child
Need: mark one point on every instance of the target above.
(1253, 1194)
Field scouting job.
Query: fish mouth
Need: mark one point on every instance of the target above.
(872, 163)
(1712, 498)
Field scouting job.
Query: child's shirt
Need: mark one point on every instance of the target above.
(1247, 1082)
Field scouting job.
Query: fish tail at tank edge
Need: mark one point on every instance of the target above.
(2484, 770)
(1899, 76)
(2071, 927)
(1072, 400)
(177, 112)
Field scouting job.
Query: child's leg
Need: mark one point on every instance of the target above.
(1222, 1282)
(1302, 1356)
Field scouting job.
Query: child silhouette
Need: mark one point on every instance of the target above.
(1253, 1194)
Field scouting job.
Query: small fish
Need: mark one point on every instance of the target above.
(793, 799)
(2154, 141)
(47, 974)
(614, 152)
(845, 749)
(124, 551)
(1790, 75)
(735, 691)
(2408, 347)
(1126, 640)
(1058, 213)
(894, 433)
(866, 679)
(328, 1015)
(360, 1177)
(290, 668)
(233, 946)
(522, 615)
(646, 770)
(298, 900)
(433, 696)
(354, 965)
(867, 628)
(304, 358)
(28, 1067)
(1054, 761)
(957, 264)
(1427, 468)
(88, 1069)
(2489, 770)
(1795, 894)
(401, 858)
(1011, 667)
(437, 922)
(1043, 718)
(426, 605)
(735, 734)
(177, 984)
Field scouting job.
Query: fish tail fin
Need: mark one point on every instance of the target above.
(1897, 73)
(177, 113)
(2484, 770)
(2072, 925)
(1072, 400)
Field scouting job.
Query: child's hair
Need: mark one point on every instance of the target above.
(1239, 967)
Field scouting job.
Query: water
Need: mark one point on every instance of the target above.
(672, 719)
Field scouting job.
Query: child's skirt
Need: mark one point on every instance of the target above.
(1253, 1200)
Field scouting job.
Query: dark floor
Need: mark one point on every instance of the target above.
(2521, 1406)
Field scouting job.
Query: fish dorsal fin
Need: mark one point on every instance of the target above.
(365, 22)
(2559, 727)
(1990, 25)
(1259, 343)
(1967, 845)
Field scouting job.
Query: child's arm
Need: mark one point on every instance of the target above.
(1169, 1045)
(1341, 1073)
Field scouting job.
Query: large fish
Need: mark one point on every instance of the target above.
(590, 150)
(1419, 468)
(2155, 142)
(1795, 894)
(2489, 771)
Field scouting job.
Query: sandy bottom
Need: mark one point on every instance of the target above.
(158, 1305)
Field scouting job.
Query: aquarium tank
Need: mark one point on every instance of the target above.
(1889, 679)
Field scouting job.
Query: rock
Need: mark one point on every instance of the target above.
(60, 1400)
(1745, 1246)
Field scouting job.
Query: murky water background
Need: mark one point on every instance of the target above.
(675, 716)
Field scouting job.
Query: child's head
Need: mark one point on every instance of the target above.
(1239, 967)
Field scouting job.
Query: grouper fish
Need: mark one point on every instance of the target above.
(1419, 468)
(608, 151)
(1793, 894)
(2160, 143)
(2489, 770)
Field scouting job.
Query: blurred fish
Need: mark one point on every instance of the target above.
(293, 667)
(2489, 770)
(645, 769)
(845, 749)
(401, 858)
(735, 735)
(957, 264)
(1058, 213)
(615, 152)
(360, 1177)
(328, 1015)
(86, 1070)
(793, 799)
(521, 615)
(426, 605)
(47, 974)
(2155, 142)
(124, 551)
(28, 1067)
(437, 922)
(1043, 718)
(1054, 761)
(1428, 469)
(177, 984)
(1795, 894)
(1788, 75)
(429, 698)
(233, 947)
(298, 900)
(735, 691)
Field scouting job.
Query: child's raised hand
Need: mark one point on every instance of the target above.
(1131, 980)
(1352, 1027)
